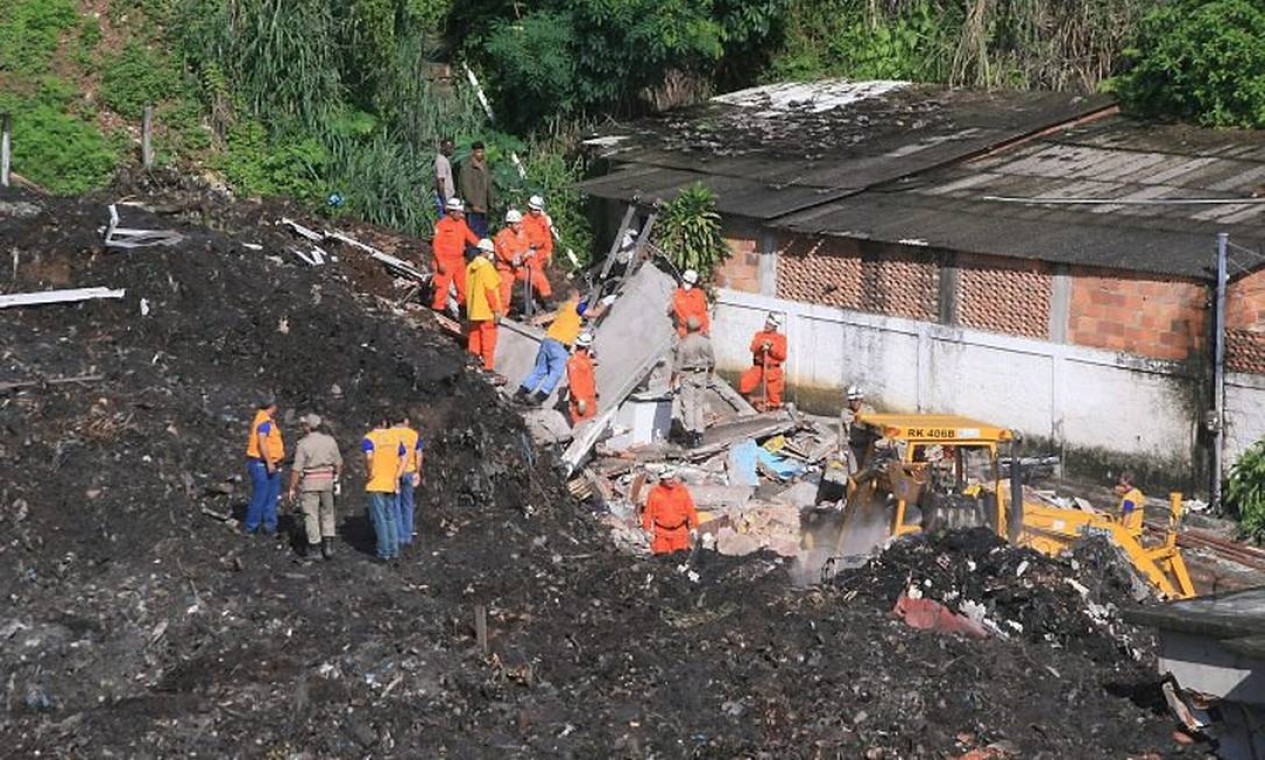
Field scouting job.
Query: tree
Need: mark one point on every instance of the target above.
(688, 231)
(1200, 60)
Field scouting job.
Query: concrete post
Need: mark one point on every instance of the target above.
(147, 138)
(4, 149)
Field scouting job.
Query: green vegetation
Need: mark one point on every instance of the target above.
(1200, 61)
(1245, 491)
(29, 33)
(688, 231)
(52, 145)
(137, 77)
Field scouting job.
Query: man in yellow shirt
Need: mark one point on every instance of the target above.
(384, 466)
(410, 479)
(1132, 504)
(483, 304)
(264, 453)
(551, 357)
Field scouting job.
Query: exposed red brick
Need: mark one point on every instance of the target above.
(1152, 316)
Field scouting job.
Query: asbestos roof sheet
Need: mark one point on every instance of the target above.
(775, 150)
(955, 207)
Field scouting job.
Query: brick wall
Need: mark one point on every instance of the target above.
(1245, 324)
(1155, 318)
(741, 271)
(877, 279)
(1004, 295)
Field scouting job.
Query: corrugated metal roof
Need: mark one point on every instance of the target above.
(773, 151)
(1110, 158)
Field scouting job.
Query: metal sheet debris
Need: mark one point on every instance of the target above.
(57, 296)
(130, 237)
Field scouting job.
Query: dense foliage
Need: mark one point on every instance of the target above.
(689, 231)
(1200, 61)
(1245, 491)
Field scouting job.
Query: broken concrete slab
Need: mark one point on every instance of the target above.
(801, 495)
(709, 496)
(547, 426)
(720, 437)
(57, 296)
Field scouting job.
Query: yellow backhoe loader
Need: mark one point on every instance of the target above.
(931, 472)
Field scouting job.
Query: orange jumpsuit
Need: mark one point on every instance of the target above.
(750, 381)
(581, 385)
(510, 245)
(539, 231)
(690, 303)
(483, 309)
(449, 261)
(671, 515)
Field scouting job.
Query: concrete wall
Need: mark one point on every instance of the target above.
(1076, 396)
(1244, 412)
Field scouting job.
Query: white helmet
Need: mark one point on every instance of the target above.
(536, 203)
(486, 246)
(585, 340)
(855, 393)
(513, 216)
(775, 319)
(454, 204)
(690, 276)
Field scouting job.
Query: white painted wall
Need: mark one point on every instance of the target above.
(1244, 413)
(1081, 396)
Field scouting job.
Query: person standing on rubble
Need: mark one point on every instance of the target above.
(410, 479)
(477, 188)
(483, 307)
(264, 453)
(692, 364)
(448, 249)
(318, 465)
(511, 253)
(689, 301)
(580, 383)
(539, 230)
(670, 516)
(384, 466)
(1132, 504)
(768, 353)
(445, 186)
(854, 439)
(551, 357)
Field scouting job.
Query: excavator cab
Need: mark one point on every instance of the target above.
(938, 472)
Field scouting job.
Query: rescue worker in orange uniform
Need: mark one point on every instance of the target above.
(689, 301)
(580, 383)
(511, 252)
(264, 453)
(1132, 504)
(764, 382)
(670, 516)
(483, 307)
(448, 249)
(539, 230)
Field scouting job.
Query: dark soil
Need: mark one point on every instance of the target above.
(136, 625)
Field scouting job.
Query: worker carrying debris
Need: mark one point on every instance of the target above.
(512, 248)
(669, 516)
(551, 357)
(384, 466)
(318, 464)
(1132, 504)
(448, 249)
(539, 229)
(580, 383)
(264, 453)
(692, 364)
(689, 301)
(410, 479)
(768, 352)
(483, 306)
(854, 439)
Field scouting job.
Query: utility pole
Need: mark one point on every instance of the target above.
(1218, 374)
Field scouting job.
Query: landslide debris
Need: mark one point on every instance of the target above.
(138, 625)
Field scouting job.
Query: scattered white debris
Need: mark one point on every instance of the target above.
(816, 97)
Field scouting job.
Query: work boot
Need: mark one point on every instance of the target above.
(327, 547)
(521, 395)
(538, 398)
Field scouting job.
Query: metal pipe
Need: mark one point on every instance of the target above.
(1218, 379)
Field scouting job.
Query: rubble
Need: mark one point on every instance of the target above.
(138, 625)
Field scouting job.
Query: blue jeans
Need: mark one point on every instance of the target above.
(439, 207)
(478, 223)
(551, 362)
(384, 524)
(265, 489)
(405, 508)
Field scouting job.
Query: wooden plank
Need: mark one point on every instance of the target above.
(57, 296)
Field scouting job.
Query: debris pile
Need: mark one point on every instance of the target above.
(138, 625)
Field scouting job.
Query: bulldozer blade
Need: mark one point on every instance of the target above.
(866, 524)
